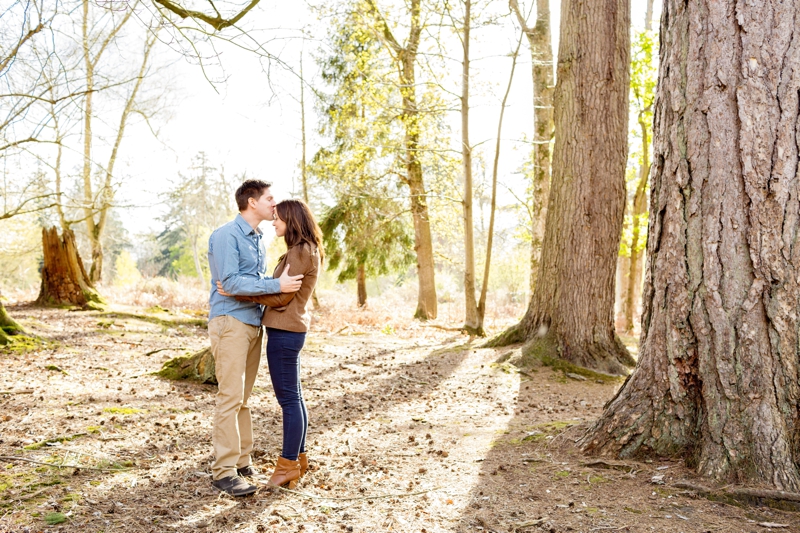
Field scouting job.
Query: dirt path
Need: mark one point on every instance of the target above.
(412, 431)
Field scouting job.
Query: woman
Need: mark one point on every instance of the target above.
(287, 319)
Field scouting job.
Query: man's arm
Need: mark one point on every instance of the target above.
(226, 260)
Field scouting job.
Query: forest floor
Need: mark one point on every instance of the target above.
(413, 429)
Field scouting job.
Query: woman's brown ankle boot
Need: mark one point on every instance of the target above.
(303, 458)
(286, 473)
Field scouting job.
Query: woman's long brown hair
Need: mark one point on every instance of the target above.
(301, 226)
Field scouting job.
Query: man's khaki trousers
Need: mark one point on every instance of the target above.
(236, 347)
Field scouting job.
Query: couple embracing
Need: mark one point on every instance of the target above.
(243, 299)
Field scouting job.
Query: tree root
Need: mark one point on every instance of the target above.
(776, 499)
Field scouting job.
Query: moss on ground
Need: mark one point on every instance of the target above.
(544, 351)
(60, 439)
(123, 410)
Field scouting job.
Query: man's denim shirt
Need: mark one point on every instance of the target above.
(238, 259)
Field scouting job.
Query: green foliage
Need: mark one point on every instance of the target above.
(367, 224)
(644, 76)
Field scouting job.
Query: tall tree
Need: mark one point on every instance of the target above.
(717, 378)
(541, 48)
(405, 58)
(493, 200)
(573, 301)
(98, 32)
(365, 231)
(472, 323)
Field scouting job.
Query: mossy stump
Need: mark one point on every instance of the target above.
(195, 367)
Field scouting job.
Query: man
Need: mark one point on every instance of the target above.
(236, 256)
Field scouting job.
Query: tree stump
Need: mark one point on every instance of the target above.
(196, 367)
(64, 280)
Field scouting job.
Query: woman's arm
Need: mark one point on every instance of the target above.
(299, 261)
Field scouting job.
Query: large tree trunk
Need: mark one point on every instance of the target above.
(717, 378)
(574, 297)
(64, 280)
(542, 70)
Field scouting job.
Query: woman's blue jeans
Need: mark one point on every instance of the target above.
(283, 358)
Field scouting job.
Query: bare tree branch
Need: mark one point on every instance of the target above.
(218, 22)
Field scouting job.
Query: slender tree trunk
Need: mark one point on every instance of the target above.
(426, 300)
(639, 210)
(573, 301)
(64, 280)
(91, 205)
(361, 283)
(542, 70)
(406, 57)
(717, 379)
(88, 195)
(303, 162)
(471, 313)
(493, 204)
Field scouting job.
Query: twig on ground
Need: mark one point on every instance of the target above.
(412, 380)
(148, 354)
(445, 328)
(531, 523)
(11, 458)
(377, 497)
(22, 391)
(609, 528)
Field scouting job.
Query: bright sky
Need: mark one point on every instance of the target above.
(248, 128)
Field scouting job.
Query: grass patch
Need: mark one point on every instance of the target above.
(561, 474)
(123, 410)
(20, 344)
(55, 368)
(172, 321)
(55, 518)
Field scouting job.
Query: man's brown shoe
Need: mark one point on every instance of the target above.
(234, 485)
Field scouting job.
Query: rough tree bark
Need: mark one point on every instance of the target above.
(406, 59)
(573, 301)
(542, 69)
(717, 378)
(64, 280)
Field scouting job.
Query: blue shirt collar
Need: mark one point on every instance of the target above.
(246, 228)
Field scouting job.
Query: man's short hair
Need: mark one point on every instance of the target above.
(250, 189)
